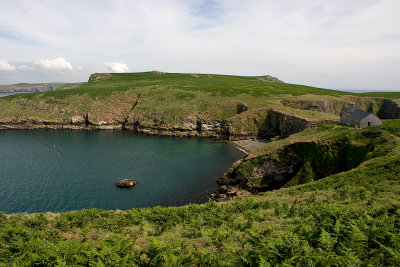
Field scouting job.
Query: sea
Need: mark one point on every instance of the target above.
(54, 171)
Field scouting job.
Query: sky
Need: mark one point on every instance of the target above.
(337, 44)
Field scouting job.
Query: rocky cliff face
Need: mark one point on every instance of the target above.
(302, 162)
(388, 110)
(262, 123)
(384, 108)
(280, 124)
(99, 76)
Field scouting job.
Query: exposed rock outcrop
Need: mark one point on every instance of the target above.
(263, 123)
(126, 183)
(269, 78)
(99, 76)
(294, 164)
(388, 109)
(280, 124)
(242, 107)
(384, 108)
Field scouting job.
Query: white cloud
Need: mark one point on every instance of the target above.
(54, 64)
(331, 44)
(117, 66)
(4, 65)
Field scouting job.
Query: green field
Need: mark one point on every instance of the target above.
(341, 208)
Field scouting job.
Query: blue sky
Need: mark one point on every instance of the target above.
(332, 44)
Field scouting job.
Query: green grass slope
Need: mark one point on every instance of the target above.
(217, 85)
(350, 218)
(171, 97)
(229, 107)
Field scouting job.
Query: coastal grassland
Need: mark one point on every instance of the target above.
(350, 218)
(176, 98)
(170, 97)
(394, 95)
(224, 85)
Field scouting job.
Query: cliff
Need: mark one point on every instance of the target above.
(384, 108)
(306, 157)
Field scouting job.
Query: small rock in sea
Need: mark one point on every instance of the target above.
(126, 183)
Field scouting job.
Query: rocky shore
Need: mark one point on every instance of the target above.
(269, 124)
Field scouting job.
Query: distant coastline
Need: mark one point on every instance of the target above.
(360, 91)
(11, 93)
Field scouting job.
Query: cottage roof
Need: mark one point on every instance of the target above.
(359, 114)
(351, 109)
(356, 113)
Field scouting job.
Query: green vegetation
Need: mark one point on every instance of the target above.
(382, 94)
(341, 207)
(350, 218)
(317, 153)
(170, 101)
(223, 85)
(169, 97)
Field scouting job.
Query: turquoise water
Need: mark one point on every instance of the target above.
(68, 170)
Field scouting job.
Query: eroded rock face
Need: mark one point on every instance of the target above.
(384, 108)
(80, 120)
(264, 124)
(126, 183)
(280, 124)
(99, 76)
(294, 164)
(242, 107)
(389, 110)
(77, 120)
(269, 78)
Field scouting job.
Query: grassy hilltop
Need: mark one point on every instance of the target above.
(219, 106)
(168, 96)
(338, 206)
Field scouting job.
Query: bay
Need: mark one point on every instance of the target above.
(55, 171)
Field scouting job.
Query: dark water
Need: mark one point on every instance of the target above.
(68, 170)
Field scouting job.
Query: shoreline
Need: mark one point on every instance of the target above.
(146, 130)
(249, 145)
(242, 144)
